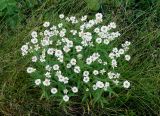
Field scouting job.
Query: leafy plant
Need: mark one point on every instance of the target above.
(93, 4)
(12, 12)
(76, 57)
(9, 12)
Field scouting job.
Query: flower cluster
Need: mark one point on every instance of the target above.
(76, 56)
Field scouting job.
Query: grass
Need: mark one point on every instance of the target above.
(138, 21)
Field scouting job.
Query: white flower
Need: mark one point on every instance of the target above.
(96, 30)
(48, 74)
(46, 82)
(86, 79)
(79, 56)
(110, 75)
(61, 16)
(60, 78)
(47, 32)
(69, 65)
(107, 84)
(58, 73)
(54, 90)
(114, 63)
(87, 89)
(58, 53)
(86, 73)
(115, 50)
(58, 43)
(94, 87)
(46, 24)
(75, 21)
(102, 71)
(34, 40)
(24, 49)
(38, 81)
(112, 25)
(126, 84)
(61, 34)
(117, 55)
(104, 29)
(99, 40)
(56, 67)
(111, 55)
(34, 34)
(36, 47)
(117, 75)
(65, 91)
(78, 48)
(127, 57)
(34, 59)
(90, 44)
(41, 33)
(74, 32)
(88, 61)
(50, 51)
(77, 69)
(95, 72)
(126, 48)
(48, 67)
(74, 89)
(70, 44)
(81, 28)
(106, 41)
(66, 98)
(115, 82)
(121, 51)
(60, 59)
(84, 18)
(73, 61)
(105, 63)
(44, 42)
(53, 27)
(72, 18)
(65, 80)
(100, 61)
(30, 70)
(98, 18)
(91, 23)
(42, 58)
(99, 15)
(60, 25)
(95, 56)
(99, 84)
(63, 29)
(127, 43)
(105, 88)
(67, 19)
(66, 49)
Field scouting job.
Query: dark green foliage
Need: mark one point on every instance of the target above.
(9, 12)
(93, 4)
(14, 12)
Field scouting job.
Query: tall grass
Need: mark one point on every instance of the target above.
(139, 22)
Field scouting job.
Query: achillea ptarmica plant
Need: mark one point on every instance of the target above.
(76, 57)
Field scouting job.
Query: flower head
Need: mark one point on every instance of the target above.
(126, 84)
(54, 90)
(66, 98)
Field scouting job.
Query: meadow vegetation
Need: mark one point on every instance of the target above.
(138, 21)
